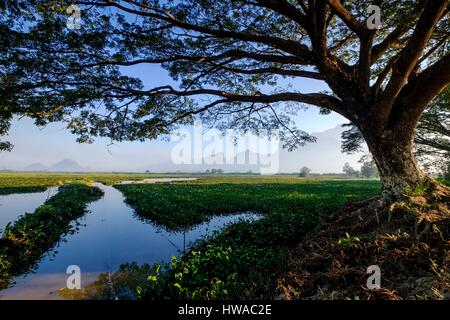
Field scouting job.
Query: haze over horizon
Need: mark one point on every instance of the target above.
(53, 148)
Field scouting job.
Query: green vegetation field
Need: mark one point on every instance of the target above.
(19, 182)
(185, 204)
(242, 261)
(27, 239)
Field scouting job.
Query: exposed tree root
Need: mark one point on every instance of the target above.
(408, 239)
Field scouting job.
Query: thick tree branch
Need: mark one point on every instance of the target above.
(286, 9)
(432, 143)
(409, 56)
(238, 54)
(336, 72)
(347, 18)
(439, 44)
(417, 94)
(272, 70)
(395, 35)
(317, 99)
(392, 38)
(290, 46)
(194, 112)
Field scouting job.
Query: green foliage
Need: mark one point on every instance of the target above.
(184, 205)
(433, 134)
(26, 240)
(185, 278)
(23, 182)
(348, 240)
(420, 189)
(349, 171)
(86, 67)
(369, 169)
(304, 172)
(242, 260)
(24, 189)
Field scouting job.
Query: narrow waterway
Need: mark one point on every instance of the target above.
(14, 205)
(109, 235)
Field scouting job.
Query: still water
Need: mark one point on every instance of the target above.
(14, 205)
(110, 234)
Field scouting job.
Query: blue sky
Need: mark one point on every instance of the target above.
(53, 143)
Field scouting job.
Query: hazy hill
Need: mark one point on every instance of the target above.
(35, 167)
(322, 156)
(67, 165)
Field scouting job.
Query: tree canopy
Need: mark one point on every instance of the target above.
(304, 172)
(226, 59)
(221, 53)
(369, 169)
(433, 134)
(349, 170)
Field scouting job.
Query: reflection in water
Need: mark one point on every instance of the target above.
(109, 235)
(14, 205)
(118, 285)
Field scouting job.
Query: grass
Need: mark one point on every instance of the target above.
(184, 205)
(245, 260)
(241, 261)
(21, 189)
(274, 179)
(26, 240)
(20, 182)
(348, 240)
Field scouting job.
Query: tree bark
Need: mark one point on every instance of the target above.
(392, 151)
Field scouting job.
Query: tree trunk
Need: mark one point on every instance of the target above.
(393, 153)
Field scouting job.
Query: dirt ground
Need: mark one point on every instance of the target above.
(409, 240)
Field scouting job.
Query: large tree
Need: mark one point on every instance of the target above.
(432, 138)
(224, 55)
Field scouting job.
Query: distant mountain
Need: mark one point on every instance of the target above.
(35, 167)
(67, 165)
(322, 156)
(333, 133)
(242, 162)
